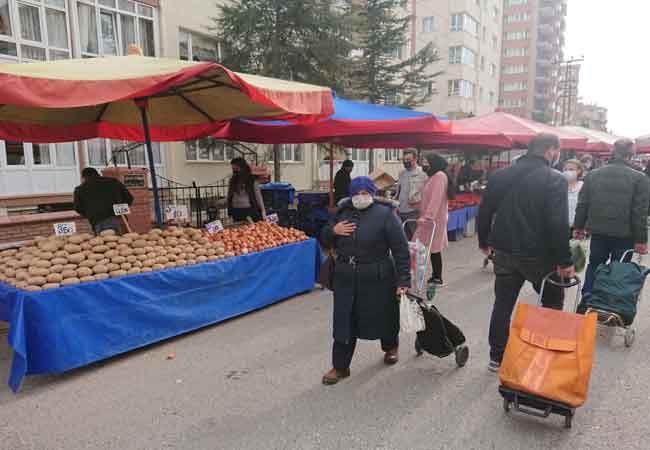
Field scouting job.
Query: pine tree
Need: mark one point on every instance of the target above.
(379, 73)
(300, 40)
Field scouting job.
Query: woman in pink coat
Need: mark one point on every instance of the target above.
(433, 209)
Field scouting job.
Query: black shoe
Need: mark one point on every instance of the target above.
(437, 282)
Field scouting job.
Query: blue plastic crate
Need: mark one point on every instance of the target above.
(278, 195)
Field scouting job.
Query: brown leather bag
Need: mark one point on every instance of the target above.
(550, 354)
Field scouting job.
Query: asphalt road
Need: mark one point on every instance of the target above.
(254, 383)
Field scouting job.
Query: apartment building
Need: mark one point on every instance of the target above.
(533, 42)
(468, 36)
(590, 115)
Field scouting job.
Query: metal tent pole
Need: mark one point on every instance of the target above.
(331, 185)
(152, 166)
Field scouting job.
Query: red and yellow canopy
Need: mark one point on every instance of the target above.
(80, 99)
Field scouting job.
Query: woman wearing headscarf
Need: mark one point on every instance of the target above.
(371, 272)
(244, 195)
(438, 190)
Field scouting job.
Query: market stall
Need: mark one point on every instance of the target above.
(64, 318)
(463, 211)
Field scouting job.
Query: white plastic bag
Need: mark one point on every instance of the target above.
(411, 319)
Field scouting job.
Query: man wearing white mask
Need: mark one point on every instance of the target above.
(372, 269)
(409, 190)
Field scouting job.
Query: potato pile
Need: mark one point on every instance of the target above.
(47, 263)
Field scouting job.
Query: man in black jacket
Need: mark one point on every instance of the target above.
(95, 197)
(342, 181)
(524, 218)
(613, 205)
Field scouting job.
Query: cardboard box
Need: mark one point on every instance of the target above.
(382, 179)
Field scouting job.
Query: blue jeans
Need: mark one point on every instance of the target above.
(601, 250)
(110, 223)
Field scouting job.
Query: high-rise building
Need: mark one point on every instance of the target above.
(590, 116)
(467, 35)
(533, 41)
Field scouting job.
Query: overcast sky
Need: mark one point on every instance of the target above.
(616, 72)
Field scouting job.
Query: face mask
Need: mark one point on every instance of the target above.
(428, 170)
(408, 164)
(361, 202)
(571, 175)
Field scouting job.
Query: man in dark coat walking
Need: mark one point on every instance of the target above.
(372, 269)
(613, 205)
(524, 217)
(342, 180)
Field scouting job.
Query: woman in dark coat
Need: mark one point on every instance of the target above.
(367, 280)
(244, 195)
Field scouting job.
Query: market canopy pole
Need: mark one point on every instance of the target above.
(331, 182)
(142, 105)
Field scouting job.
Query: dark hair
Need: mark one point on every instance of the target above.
(410, 151)
(243, 177)
(347, 163)
(438, 164)
(542, 142)
(89, 172)
(623, 148)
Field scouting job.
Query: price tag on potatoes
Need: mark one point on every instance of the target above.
(65, 228)
(170, 212)
(182, 213)
(121, 209)
(214, 227)
(272, 218)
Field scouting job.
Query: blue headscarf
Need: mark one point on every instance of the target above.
(362, 184)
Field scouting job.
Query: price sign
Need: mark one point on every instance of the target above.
(170, 212)
(272, 218)
(65, 228)
(121, 209)
(214, 227)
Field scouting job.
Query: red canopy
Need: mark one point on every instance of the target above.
(462, 138)
(521, 131)
(80, 99)
(353, 124)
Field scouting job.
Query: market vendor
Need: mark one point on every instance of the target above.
(244, 194)
(95, 197)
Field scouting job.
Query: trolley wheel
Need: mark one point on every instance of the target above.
(462, 355)
(418, 347)
(630, 335)
(568, 421)
(506, 405)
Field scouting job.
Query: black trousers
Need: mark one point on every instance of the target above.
(240, 214)
(436, 266)
(511, 273)
(342, 353)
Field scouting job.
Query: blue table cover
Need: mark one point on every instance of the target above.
(58, 330)
(457, 219)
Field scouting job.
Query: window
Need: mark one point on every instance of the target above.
(515, 86)
(392, 154)
(462, 88)
(516, 35)
(515, 52)
(515, 68)
(358, 154)
(396, 53)
(28, 28)
(495, 41)
(194, 47)
(515, 18)
(484, 34)
(480, 93)
(41, 154)
(109, 27)
(97, 152)
(513, 103)
(65, 154)
(462, 55)
(493, 70)
(483, 63)
(464, 22)
(516, 2)
(15, 153)
(290, 153)
(428, 24)
(495, 14)
(492, 97)
(208, 149)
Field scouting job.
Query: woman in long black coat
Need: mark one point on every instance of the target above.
(372, 269)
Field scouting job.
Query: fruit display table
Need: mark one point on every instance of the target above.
(53, 331)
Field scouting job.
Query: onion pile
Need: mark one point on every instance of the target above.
(55, 261)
